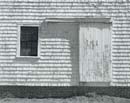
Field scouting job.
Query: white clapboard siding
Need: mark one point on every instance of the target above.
(58, 52)
(95, 52)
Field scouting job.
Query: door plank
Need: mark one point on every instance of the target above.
(95, 52)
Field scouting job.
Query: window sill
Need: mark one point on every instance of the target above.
(27, 57)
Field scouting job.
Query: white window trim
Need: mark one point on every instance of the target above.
(18, 41)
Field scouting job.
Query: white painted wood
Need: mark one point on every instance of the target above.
(95, 52)
(77, 20)
(17, 13)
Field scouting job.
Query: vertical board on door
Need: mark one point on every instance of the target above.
(95, 52)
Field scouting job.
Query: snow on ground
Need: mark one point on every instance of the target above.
(77, 99)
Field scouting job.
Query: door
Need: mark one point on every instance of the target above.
(95, 52)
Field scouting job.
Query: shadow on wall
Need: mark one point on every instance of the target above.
(56, 58)
(59, 53)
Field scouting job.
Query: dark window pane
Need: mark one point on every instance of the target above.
(29, 41)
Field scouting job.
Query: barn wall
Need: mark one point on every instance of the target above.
(13, 71)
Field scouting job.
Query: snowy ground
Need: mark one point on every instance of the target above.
(78, 99)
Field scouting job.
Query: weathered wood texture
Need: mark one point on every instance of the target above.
(95, 52)
(17, 72)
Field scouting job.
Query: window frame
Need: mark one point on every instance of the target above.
(19, 44)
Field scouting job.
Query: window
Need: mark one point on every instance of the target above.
(28, 41)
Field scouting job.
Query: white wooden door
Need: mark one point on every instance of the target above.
(95, 52)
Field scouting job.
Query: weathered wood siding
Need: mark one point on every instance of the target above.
(15, 12)
(95, 52)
